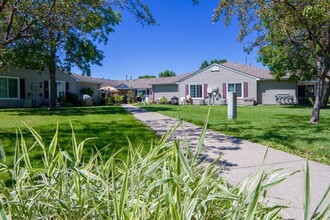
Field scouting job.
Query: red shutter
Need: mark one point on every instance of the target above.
(187, 91)
(46, 92)
(246, 90)
(224, 90)
(205, 91)
(22, 88)
(67, 86)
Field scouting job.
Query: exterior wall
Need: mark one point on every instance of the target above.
(34, 86)
(165, 90)
(219, 79)
(95, 87)
(268, 90)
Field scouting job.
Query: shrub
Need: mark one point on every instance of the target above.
(139, 97)
(163, 100)
(88, 91)
(118, 99)
(72, 98)
(130, 97)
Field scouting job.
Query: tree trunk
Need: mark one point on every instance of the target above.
(318, 99)
(326, 95)
(52, 77)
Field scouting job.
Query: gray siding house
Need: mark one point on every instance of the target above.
(30, 88)
(253, 86)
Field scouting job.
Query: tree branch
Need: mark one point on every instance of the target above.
(3, 5)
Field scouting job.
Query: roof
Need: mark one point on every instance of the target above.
(257, 72)
(146, 83)
(88, 79)
(142, 83)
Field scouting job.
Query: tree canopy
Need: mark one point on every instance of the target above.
(206, 63)
(147, 76)
(167, 73)
(293, 38)
(62, 34)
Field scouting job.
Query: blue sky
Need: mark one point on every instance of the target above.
(184, 38)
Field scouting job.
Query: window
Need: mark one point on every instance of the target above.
(196, 91)
(60, 88)
(236, 87)
(9, 88)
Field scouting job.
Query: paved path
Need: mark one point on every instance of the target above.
(242, 157)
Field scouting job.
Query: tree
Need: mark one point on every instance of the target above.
(66, 36)
(147, 76)
(167, 73)
(293, 38)
(206, 63)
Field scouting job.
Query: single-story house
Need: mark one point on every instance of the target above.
(30, 88)
(253, 85)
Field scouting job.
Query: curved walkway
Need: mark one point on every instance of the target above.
(242, 157)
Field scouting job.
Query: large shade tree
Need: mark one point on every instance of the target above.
(67, 34)
(293, 38)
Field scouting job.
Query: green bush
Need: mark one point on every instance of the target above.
(163, 100)
(72, 98)
(130, 97)
(166, 183)
(118, 99)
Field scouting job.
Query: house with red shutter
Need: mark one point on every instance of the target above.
(30, 88)
(253, 85)
(211, 85)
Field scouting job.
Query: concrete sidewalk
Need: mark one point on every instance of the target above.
(242, 157)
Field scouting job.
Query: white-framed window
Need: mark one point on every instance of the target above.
(9, 87)
(236, 87)
(60, 88)
(196, 91)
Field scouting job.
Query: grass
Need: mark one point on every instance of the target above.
(285, 128)
(111, 125)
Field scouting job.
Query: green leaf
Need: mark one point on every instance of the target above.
(307, 195)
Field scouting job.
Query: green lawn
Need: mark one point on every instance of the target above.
(282, 127)
(112, 125)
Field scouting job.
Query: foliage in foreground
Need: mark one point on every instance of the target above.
(166, 183)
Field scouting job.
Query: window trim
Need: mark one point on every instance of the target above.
(202, 91)
(18, 88)
(242, 87)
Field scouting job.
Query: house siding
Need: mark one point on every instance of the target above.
(219, 79)
(33, 96)
(267, 91)
(165, 90)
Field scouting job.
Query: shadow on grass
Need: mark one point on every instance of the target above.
(67, 111)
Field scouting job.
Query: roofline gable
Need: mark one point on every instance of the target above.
(220, 66)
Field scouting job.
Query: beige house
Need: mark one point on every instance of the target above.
(30, 88)
(253, 85)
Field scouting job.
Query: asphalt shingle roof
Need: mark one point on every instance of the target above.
(256, 72)
(250, 70)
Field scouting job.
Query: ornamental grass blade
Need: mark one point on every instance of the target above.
(25, 152)
(53, 144)
(253, 199)
(321, 214)
(39, 140)
(184, 161)
(2, 213)
(307, 195)
(201, 139)
(2, 152)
